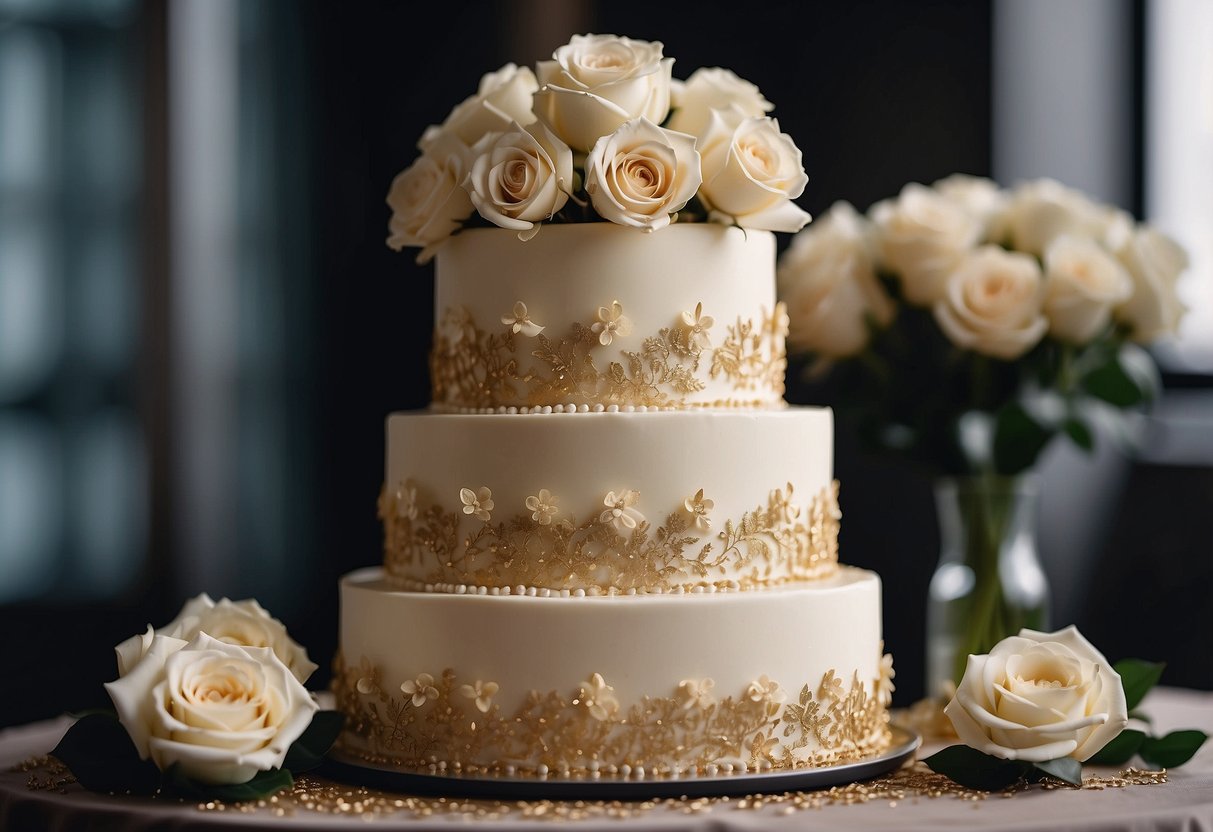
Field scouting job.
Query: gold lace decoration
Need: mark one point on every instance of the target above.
(477, 368)
(826, 724)
(775, 543)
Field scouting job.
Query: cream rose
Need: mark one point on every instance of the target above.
(1154, 262)
(922, 236)
(427, 198)
(642, 174)
(713, 88)
(827, 279)
(1083, 281)
(977, 195)
(1042, 210)
(595, 83)
(751, 174)
(1037, 697)
(218, 711)
(244, 623)
(503, 97)
(992, 303)
(520, 177)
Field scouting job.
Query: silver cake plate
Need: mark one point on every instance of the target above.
(349, 769)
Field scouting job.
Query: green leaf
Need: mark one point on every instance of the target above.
(1018, 439)
(99, 752)
(1078, 431)
(1141, 716)
(1173, 750)
(1066, 769)
(975, 770)
(93, 712)
(263, 784)
(1114, 385)
(307, 752)
(1120, 750)
(1140, 367)
(1138, 677)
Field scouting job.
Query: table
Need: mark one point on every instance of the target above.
(1184, 802)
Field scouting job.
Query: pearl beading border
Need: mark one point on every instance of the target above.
(583, 407)
(413, 585)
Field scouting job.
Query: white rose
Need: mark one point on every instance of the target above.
(713, 88)
(427, 198)
(751, 173)
(1154, 262)
(641, 174)
(503, 97)
(922, 236)
(1042, 210)
(219, 711)
(1037, 697)
(1083, 281)
(827, 279)
(979, 196)
(244, 623)
(992, 303)
(520, 177)
(595, 83)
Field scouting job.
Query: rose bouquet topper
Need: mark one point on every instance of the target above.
(964, 325)
(602, 132)
(1040, 704)
(210, 706)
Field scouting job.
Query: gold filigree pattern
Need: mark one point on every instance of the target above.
(777, 542)
(588, 731)
(478, 368)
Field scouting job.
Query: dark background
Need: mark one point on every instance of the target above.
(876, 94)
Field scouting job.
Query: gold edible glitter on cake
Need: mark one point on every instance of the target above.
(589, 731)
(479, 368)
(776, 543)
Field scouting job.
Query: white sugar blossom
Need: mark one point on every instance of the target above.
(520, 321)
(611, 324)
(620, 511)
(365, 685)
(420, 690)
(782, 503)
(696, 693)
(763, 689)
(699, 506)
(599, 698)
(884, 682)
(697, 325)
(542, 506)
(405, 499)
(482, 693)
(479, 504)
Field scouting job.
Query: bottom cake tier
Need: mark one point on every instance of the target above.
(639, 685)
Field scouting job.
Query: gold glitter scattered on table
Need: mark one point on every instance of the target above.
(316, 795)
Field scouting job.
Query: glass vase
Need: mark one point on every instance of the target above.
(989, 582)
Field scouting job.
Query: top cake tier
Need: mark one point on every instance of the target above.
(596, 314)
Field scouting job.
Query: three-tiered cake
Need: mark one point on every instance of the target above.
(610, 547)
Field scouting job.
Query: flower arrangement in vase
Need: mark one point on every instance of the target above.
(964, 326)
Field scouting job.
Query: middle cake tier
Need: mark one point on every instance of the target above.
(605, 503)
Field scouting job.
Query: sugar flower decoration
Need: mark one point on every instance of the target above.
(696, 693)
(479, 504)
(699, 506)
(520, 321)
(620, 511)
(405, 498)
(542, 507)
(763, 689)
(697, 325)
(884, 681)
(599, 698)
(784, 504)
(421, 689)
(482, 693)
(611, 324)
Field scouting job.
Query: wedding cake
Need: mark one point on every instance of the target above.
(610, 547)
